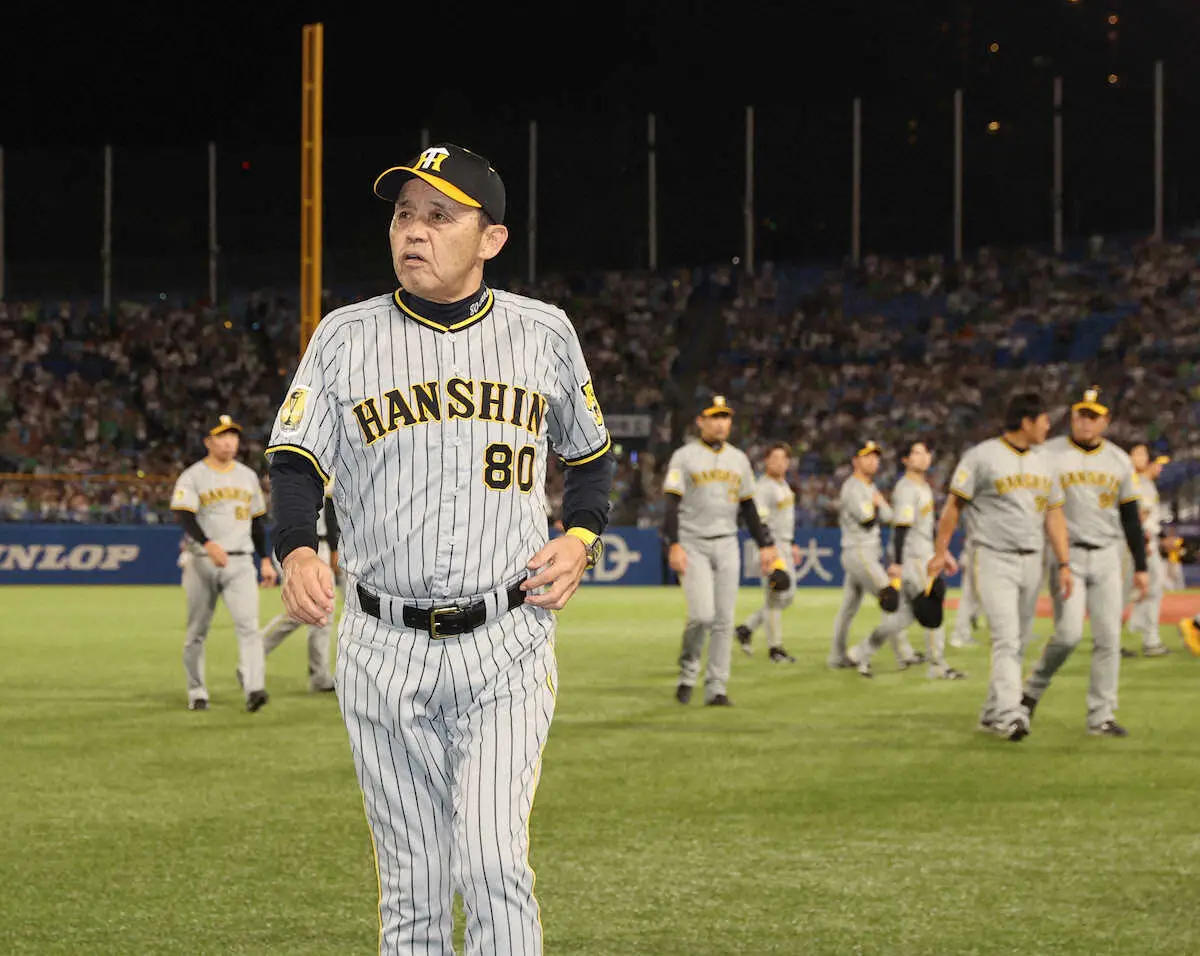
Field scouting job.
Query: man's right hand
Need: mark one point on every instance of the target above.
(937, 564)
(677, 559)
(216, 554)
(307, 587)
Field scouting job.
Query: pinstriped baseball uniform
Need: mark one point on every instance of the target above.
(1007, 491)
(439, 437)
(776, 504)
(1144, 619)
(712, 483)
(1093, 484)
(862, 551)
(225, 503)
(281, 626)
(912, 507)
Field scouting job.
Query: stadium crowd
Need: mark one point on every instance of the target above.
(820, 358)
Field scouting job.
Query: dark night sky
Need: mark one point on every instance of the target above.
(169, 80)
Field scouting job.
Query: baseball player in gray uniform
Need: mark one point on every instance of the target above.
(1101, 504)
(219, 504)
(1008, 484)
(437, 407)
(967, 616)
(910, 546)
(776, 503)
(1144, 616)
(709, 484)
(862, 511)
(282, 625)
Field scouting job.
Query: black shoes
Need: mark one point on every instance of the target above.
(200, 703)
(255, 700)
(779, 656)
(719, 701)
(743, 638)
(1030, 704)
(1110, 728)
(683, 693)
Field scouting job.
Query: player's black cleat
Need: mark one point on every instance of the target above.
(200, 703)
(1126, 653)
(844, 664)
(1110, 728)
(780, 656)
(719, 701)
(743, 636)
(255, 700)
(683, 693)
(1030, 704)
(1016, 730)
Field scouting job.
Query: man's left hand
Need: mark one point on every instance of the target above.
(270, 576)
(767, 557)
(561, 563)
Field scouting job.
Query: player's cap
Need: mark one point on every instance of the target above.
(929, 606)
(224, 424)
(868, 448)
(718, 406)
(464, 176)
(1090, 403)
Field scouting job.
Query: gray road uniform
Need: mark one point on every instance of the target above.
(776, 504)
(1006, 492)
(281, 626)
(711, 484)
(1092, 484)
(225, 504)
(862, 554)
(913, 510)
(1144, 619)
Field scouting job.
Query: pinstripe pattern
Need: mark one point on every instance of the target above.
(439, 441)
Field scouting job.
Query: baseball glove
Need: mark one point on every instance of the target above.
(778, 580)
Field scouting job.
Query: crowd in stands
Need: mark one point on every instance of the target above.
(822, 358)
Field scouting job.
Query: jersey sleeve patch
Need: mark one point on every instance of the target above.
(591, 403)
(291, 414)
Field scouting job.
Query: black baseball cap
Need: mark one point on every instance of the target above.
(928, 606)
(464, 176)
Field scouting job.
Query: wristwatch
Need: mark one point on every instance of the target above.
(591, 541)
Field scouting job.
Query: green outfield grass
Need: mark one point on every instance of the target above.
(824, 814)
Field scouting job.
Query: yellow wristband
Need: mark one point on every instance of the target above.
(587, 537)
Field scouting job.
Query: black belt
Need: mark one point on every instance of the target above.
(444, 621)
(1023, 552)
(237, 554)
(1088, 547)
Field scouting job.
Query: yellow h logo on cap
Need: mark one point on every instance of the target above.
(433, 158)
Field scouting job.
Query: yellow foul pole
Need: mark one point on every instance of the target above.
(311, 135)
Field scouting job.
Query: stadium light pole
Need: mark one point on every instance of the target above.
(2, 263)
(748, 205)
(652, 190)
(958, 175)
(1057, 199)
(212, 223)
(1158, 150)
(856, 183)
(106, 242)
(533, 149)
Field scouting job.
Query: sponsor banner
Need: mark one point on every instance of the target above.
(820, 562)
(88, 554)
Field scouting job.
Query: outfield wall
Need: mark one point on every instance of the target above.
(139, 554)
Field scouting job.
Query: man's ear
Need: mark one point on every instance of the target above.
(494, 238)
